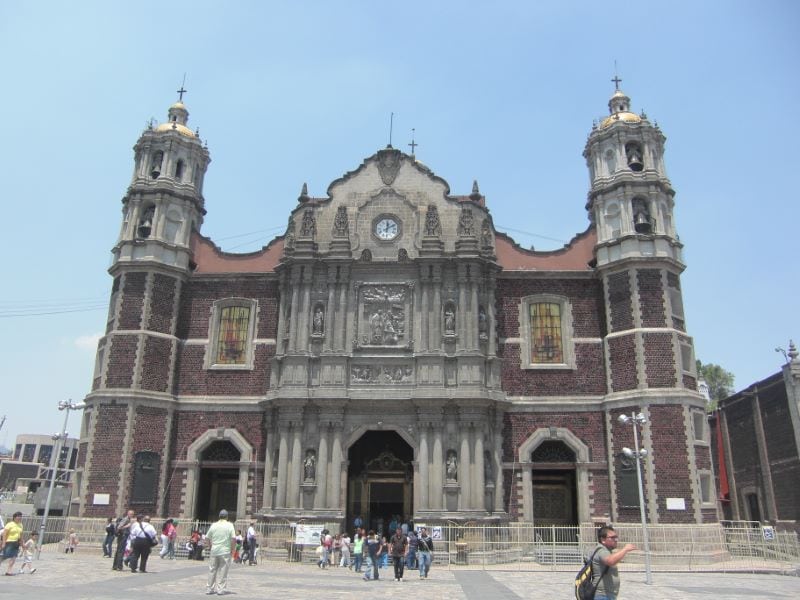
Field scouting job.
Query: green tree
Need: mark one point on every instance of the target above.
(719, 381)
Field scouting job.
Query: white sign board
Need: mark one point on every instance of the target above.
(769, 533)
(436, 533)
(101, 499)
(308, 535)
(676, 504)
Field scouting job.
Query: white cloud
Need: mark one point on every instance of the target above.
(88, 342)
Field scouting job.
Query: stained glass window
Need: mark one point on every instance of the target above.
(546, 341)
(232, 339)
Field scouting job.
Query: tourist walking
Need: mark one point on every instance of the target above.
(398, 546)
(358, 550)
(605, 575)
(424, 552)
(72, 542)
(221, 540)
(28, 549)
(143, 538)
(122, 529)
(411, 557)
(168, 535)
(108, 542)
(373, 545)
(251, 543)
(10, 541)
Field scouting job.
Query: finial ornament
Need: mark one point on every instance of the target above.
(793, 354)
(391, 125)
(475, 189)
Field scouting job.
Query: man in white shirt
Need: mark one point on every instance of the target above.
(221, 539)
(252, 543)
(142, 535)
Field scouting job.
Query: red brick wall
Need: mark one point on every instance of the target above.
(744, 448)
(781, 450)
(622, 355)
(121, 361)
(671, 463)
(584, 295)
(192, 379)
(198, 297)
(651, 298)
(103, 475)
(702, 457)
(620, 299)
(130, 316)
(659, 360)
(149, 433)
(162, 303)
(689, 382)
(587, 378)
(156, 364)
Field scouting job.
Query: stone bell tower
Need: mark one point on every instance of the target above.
(649, 356)
(132, 389)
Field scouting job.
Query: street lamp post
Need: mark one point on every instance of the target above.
(637, 420)
(60, 439)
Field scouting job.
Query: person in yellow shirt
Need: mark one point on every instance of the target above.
(9, 541)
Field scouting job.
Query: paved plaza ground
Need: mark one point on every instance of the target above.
(85, 575)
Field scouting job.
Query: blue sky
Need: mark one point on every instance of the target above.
(293, 92)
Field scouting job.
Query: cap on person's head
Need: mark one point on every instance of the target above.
(223, 514)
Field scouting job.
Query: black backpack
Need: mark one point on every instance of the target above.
(584, 588)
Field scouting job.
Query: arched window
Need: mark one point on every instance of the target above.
(232, 329)
(179, 167)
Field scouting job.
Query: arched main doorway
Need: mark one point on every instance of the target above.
(218, 487)
(554, 492)
(380, 479)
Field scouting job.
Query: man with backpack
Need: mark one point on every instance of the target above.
(605, 576)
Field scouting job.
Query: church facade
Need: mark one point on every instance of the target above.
(392, 353)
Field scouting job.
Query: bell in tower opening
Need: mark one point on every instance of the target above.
(642, 222)
(633, 153)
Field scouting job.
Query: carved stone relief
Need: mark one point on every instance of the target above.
(389, 164)
(308, 228)
(433, 227)
(381, 374)
(383, 314)
(466, 223)
(340, 223)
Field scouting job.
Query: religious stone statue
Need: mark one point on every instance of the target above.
(482, 324)
(310, 466)
(449, 319)
(289, 239)
(486, 234)
(318, 326)
(451, 467)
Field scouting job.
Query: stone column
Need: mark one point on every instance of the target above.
(770, 507)
(464, 463)
(280, 345)
(296, 468)
(304, 320)
(498, 463)
(472, 318)
(424, 317)
(341, 321)
(490, 330)
(424, 470)
(321, 497)
(283, 462)
(294, 315)
(436, 488)
(478, 486)
(335, 472)
(436, 316)
(269, 442)
(461, 321)
(329, 325)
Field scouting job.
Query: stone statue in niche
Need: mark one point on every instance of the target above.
(340, 223)
(433, 226)
(308, 228)
(449, 320)
(466, 223)
(451, 466)
(310, 466)
(486, 234)
(366, 255)
(289, 239)
(483, 324)
(318, 322)
(488, 471)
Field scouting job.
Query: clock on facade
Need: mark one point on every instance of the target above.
(387, 229)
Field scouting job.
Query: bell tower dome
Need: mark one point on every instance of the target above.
(165, 199)
(630, 198)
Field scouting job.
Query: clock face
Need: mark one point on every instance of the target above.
(387, 229)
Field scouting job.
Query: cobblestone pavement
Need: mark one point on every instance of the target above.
(89, 576)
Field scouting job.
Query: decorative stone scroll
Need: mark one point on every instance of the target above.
(466, 223)
(341, 227)
(384, 315)
(375, 374)
(433, 227)
(308, 228)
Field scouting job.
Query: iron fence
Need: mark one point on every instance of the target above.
(715, 547)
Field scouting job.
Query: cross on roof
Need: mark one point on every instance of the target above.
(413, 144)
(182, 91)
(616, 81)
